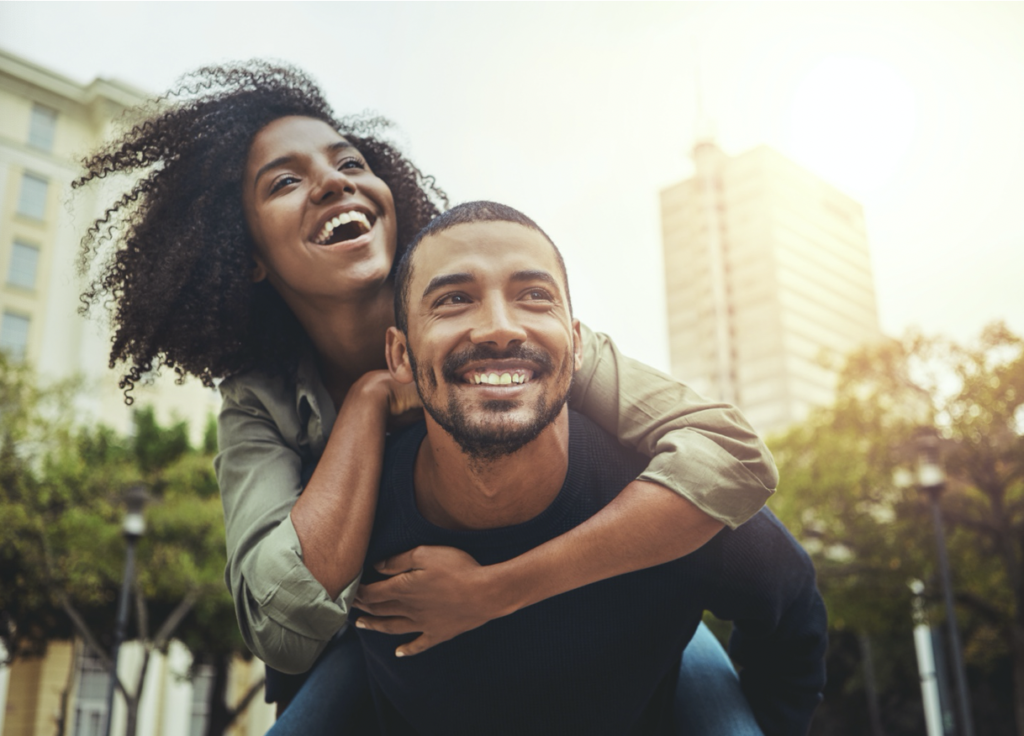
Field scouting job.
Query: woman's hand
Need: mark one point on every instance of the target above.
(401, 400)
(439, 591)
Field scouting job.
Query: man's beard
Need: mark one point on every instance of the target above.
(490, 440)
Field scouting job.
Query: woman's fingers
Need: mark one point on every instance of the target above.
(386, 624)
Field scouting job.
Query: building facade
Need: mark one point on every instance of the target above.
(767, 275)
(47, 124)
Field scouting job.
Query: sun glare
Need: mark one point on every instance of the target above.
(852, 119)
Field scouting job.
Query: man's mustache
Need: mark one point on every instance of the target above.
(455, 363)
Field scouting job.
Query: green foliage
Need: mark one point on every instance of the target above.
(847, 493)
(62, 504)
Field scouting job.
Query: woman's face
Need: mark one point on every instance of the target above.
(323, 223)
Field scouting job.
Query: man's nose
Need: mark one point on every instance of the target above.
(330, 183)
(498, 325)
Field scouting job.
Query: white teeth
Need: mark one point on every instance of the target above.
(498, 379)
(342, 219)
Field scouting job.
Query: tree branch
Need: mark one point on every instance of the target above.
(993, 614)
(172, 622)
(141, 614)
(244, 702)
(90, 641)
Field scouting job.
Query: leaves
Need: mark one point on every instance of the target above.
(845, 494)
(62, 505)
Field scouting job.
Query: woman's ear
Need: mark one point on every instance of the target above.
(259, 270)
(397, 352)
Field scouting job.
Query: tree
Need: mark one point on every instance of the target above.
(868, 530)
(61, 548)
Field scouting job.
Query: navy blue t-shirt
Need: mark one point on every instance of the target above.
(602, 659)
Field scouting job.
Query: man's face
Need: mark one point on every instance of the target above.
(491, 344)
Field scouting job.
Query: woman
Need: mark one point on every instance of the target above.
(257, 247)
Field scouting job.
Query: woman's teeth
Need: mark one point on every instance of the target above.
(499, 379)
(361, 221)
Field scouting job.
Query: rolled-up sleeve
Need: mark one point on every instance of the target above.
(705, 451)
(284, 613)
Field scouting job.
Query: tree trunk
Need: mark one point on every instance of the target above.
(220, 716)
(1017, 634)
(870, 687)
(131, 718)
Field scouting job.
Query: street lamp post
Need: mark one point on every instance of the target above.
(133, 527)
(931, 479)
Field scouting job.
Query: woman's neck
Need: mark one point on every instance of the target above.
(348, 337)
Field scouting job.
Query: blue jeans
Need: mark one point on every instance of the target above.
(335, 698)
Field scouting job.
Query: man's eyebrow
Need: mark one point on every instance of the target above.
(448, 279)
(536, 275)
(281, 160)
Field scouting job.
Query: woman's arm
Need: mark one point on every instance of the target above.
(294, 554)
(709, 468)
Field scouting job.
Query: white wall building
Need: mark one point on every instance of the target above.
(767, 270)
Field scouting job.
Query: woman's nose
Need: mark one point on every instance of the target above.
(331, 183)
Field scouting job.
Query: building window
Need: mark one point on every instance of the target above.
(32, 202)
(14, 335)
(24, 260)
(42, 127)
(202, 690)
(91, 702)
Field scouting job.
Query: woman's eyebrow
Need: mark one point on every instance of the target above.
(279, 161)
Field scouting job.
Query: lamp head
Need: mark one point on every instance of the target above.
(134, 525)
(930, 475)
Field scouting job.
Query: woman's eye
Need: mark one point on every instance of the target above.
(352, 163)
(282, 182)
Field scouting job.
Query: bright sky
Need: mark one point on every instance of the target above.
(580, 113)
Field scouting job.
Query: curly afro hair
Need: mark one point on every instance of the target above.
(177, 281)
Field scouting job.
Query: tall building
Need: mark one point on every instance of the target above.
(47, 124)
(767, 271)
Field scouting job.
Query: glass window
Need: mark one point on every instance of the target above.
(91, 701)
(42, 127)
(202, 691)
(32, 202)
(14, 335)
(24, 260)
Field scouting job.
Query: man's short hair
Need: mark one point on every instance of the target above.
(463, 214)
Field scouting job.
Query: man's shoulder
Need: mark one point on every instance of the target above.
(594, 452)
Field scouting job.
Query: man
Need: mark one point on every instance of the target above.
(499, 466)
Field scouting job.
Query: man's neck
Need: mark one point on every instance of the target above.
(457, 491)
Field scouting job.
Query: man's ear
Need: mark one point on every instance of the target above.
(577, 344)
(259, 270)
(397, 352)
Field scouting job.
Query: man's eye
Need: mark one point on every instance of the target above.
(282, 182)
(452, 299)
(539, 295)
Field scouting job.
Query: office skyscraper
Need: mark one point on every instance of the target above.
(767, 270)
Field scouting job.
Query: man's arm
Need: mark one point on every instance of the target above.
(780, 632)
